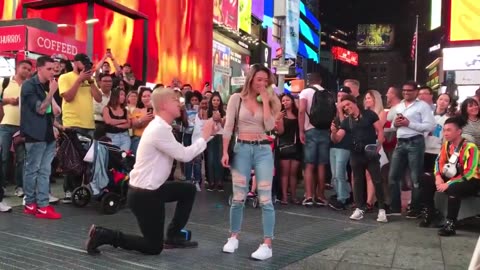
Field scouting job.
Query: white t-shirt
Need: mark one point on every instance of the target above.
(307, 94)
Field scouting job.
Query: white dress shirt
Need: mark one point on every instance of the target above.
(98, 107)
(156, 152)
(420, 115)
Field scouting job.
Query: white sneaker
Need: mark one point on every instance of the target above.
(23, 201)
(4, 208)
(197, 185)
(231, 245)
(52, 199)
(357, 214)
(262, 253)
(382, 216)
(19, 192)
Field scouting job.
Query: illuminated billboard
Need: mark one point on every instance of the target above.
(465, 20)
(309, 15)
(375, 36)
(461, 58)
(435, 14)
(345, 55)
(309, 34)
(173, 28)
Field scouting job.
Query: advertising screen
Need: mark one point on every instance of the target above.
(258, 7)
(245, 15)
(461, 58)
(435, 14)
(7, 67)
(175, 49)
(464, 20)
(226, 12)
(221, 69)
(375, 36)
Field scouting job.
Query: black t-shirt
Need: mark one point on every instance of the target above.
(346, 142)
(362, 129)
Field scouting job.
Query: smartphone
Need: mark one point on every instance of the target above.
(88, 67)
(399, 115)
(149, 110)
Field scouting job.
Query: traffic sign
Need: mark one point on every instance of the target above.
(276, 62)
(283, 70)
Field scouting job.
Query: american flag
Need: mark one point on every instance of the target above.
(414, 45)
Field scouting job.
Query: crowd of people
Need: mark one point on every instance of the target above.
(266, 142)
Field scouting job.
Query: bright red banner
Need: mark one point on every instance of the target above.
(12, 38)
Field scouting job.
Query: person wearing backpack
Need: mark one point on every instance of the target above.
(316, 113)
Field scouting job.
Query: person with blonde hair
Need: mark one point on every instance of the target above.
(250, 114)
(373, 101)
(149, 189)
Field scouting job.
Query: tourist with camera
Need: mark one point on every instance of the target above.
(456, 173)
(77, 88)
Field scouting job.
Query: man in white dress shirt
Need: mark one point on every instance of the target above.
(149, 190)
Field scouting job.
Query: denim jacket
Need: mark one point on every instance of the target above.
(33, 125)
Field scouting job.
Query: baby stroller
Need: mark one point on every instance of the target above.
(105, 177)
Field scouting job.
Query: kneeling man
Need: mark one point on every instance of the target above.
(149, 190)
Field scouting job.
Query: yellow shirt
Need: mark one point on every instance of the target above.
(78, 112)
(12, 113)
(135, 115)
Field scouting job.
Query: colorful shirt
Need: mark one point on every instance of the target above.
(468, 160)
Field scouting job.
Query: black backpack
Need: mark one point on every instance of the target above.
(323, 109)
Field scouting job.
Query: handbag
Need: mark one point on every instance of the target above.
(288, 149)
(233, 138)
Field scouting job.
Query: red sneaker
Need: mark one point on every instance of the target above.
(30, 209)
(48, 212)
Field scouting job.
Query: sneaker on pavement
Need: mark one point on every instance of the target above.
(320, 202)
(392, 212)
(220, 188)
(307, 202)
(19, 192)
(68, 197)
(382, 216)
(336, 204)
(47, 212)
(231, 245)
(262, 253)
(357, 214)
(5, 208)
(52, 199)
(197, 186)
(30, 209)
(413, 214)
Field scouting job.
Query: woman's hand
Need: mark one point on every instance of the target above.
(264, 94)
(225, 160)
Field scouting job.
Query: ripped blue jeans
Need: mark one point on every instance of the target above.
(260, 158)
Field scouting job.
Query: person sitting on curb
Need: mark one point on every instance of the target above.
(456, 173)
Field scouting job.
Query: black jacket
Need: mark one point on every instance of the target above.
(35, 126)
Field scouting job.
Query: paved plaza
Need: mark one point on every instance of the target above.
(306, 238)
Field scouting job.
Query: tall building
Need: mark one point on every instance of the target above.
(382, 70)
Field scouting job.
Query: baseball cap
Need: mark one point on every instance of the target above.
(345, 89)
(81, 57)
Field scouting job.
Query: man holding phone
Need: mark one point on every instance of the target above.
(77, 88)
(413, 119)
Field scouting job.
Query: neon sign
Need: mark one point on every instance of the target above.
(345, 55)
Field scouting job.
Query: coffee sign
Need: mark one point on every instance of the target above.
(47, 43)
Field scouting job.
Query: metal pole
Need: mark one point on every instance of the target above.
(416, 50)
(281, 78)
(145, 50)
(90, 15)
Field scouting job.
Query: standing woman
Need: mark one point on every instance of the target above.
(117, 120)
(288, 148)
(470, 112)
(214, 147)
(373, 101)
(141, 116)
(256, 107)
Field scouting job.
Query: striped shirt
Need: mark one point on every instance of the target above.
(468, 159)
